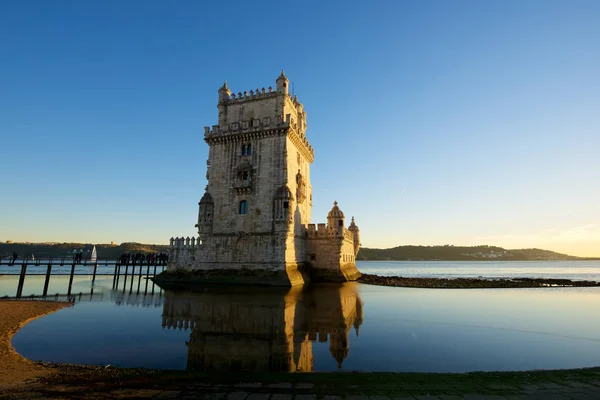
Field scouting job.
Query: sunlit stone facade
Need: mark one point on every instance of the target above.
(256, 210)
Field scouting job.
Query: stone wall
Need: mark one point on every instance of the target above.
(330, 254)
(265, 164)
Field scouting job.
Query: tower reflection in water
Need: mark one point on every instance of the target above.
(260, 329)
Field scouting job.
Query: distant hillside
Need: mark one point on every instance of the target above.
(67, 249)
(459, 253)
(445, 253)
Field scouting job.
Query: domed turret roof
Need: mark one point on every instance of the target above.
(339, 354)
(207, 198)
(282, 76)
(224, 87)
(353, 226)
(335, 211)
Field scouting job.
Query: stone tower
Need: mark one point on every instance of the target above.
(257, 204)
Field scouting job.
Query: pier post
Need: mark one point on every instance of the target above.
(71, 278)
(146, 287)
(132, 277)
(94, 276)
(22, 279)
(115, 275)
(47, 281)
(139, 282)
(125, 279)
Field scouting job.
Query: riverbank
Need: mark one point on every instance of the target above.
(471, 283)
(23, 379)
(14, 315)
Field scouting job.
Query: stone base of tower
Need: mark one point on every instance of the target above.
(253, 259)
(227, 275)
(345, 273)
(282, 257)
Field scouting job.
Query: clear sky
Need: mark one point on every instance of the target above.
(433, 122)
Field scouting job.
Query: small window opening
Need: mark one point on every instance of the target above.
(244, 150)
(243, 207)
(340, 223)
(245, 175)
(286, 204)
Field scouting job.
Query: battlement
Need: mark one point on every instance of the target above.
(251, 95)
(249, 125)
(260, 126)
(182, 250)
(317, 230)
(183, 243)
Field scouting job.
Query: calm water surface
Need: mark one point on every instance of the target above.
(579, 270)
(323, 328)
(574, 270)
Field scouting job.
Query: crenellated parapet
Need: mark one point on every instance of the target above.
(251, 95)
(317, 231)
(247, 126)
(260, 128)
(182, 250)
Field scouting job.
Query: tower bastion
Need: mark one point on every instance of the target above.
(254, 217)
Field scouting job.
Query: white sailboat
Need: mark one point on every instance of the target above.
(94, 256)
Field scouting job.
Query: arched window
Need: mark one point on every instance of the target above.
(249, 151)
(244, 150)
(243, 207)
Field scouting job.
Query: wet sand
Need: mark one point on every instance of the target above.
(15, 369)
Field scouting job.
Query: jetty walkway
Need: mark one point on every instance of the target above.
(119, 268)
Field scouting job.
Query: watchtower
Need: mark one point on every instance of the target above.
(255, 213)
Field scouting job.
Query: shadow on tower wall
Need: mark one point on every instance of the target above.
(251, 329)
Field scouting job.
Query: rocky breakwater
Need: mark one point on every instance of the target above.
(471, 283)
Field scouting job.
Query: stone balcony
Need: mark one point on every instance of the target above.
(243, 186)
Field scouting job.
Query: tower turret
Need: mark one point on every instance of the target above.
(205, 215)
(282, 83)
(224, 94)
(338, 345)
(354, 229)
(335, 220)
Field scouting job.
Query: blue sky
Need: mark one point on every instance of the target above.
(433, 122)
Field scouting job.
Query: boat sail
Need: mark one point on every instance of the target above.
(94, 256)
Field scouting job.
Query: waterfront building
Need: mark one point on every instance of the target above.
(255, 214)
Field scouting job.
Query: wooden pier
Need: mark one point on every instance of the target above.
(121, 270)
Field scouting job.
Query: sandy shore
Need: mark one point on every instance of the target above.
(14, 369)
